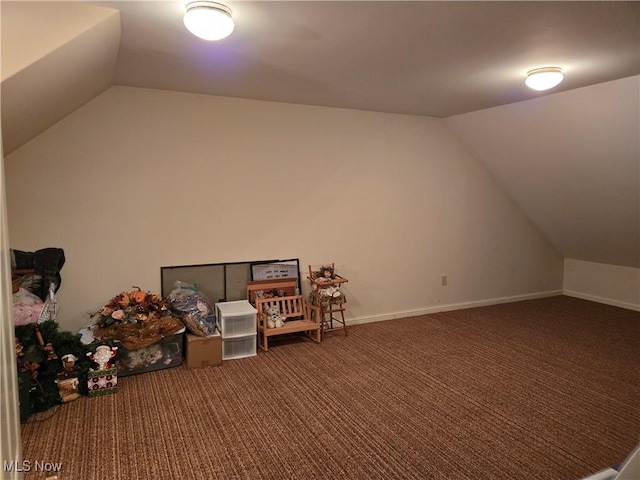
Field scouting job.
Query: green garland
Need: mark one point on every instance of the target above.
(40, 384)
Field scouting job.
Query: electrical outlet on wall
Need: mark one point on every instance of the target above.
(444, 280)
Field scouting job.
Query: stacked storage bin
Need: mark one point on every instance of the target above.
(238, 325)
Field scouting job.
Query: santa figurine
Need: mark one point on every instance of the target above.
(103, 355)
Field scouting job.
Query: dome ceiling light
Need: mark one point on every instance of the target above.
(544, 78)
(208, 20)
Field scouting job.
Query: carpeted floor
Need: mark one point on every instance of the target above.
(542, 389)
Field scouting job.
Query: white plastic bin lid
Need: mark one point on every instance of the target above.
(239, 307)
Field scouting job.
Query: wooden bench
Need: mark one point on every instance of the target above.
(299, 317)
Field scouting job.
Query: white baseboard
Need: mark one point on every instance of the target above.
(607, 301)
(453, 306)
(608, 474)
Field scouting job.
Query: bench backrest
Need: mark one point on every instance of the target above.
(289, 307)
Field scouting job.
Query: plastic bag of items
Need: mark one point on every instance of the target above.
(194, 308)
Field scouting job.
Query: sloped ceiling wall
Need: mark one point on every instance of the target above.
(571, 162)
(54, 59)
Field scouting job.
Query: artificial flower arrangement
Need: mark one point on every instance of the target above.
(137, 319)
(133, 307)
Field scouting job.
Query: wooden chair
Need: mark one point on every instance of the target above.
(299, 316)
(270, 288)
(331, 309)
(316, 277)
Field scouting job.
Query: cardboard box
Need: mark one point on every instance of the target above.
(204, 351)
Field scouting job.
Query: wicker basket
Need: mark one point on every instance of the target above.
(16, 278)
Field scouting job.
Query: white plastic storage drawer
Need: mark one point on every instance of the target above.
(239, 347)
(236, 319)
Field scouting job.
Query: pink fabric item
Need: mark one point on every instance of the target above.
(26, 314)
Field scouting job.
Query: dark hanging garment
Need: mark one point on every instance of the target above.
(46, 265)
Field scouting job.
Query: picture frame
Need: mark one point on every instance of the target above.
(276, 269)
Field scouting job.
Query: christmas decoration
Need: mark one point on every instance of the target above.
(103, 356)
(104, 379)
(41, 351)
(48, 348)
(102, 382)
(19, 348)
(136, 319)
(67, 379)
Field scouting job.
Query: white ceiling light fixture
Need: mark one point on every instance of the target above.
(544, 78)
(208, 20)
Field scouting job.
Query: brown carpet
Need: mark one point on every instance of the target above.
(541, 389)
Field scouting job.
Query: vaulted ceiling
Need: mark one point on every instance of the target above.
(463, 61)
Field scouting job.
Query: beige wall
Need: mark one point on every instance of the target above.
(138, 179)
(599, 282)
